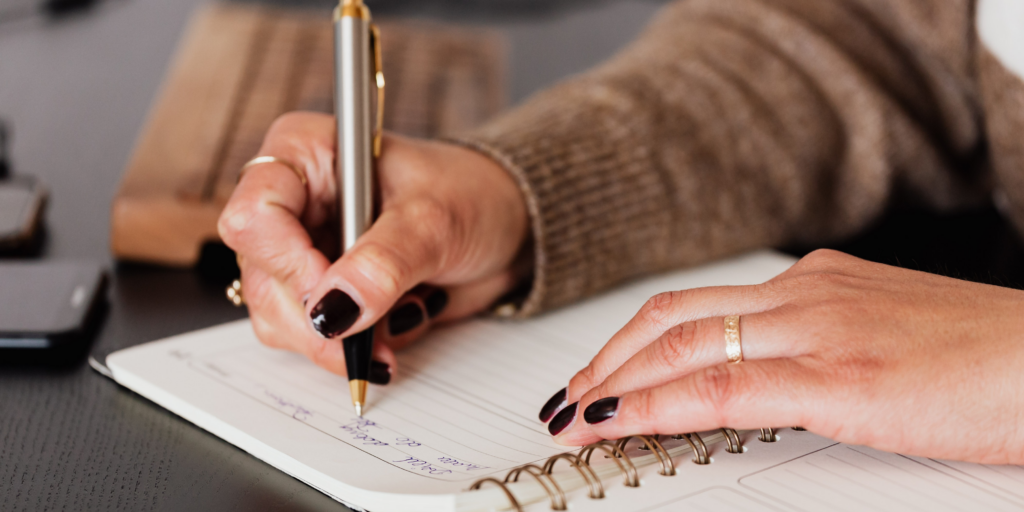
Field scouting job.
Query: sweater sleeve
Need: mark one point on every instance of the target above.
(732, 125)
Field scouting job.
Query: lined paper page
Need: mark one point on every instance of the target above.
(462, 405)
(715, 500)
(855, 478)
(422, 428)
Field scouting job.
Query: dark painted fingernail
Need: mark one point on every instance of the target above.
(563, 419)
(601, 410)
(380, 373)
(556, 402)
(405, 319)
(334, 314)
(436, 302)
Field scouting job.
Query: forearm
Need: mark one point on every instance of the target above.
(731, 125)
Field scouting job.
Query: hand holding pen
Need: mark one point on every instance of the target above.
(451, 223)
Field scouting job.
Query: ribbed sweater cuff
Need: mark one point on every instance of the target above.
(599, 211)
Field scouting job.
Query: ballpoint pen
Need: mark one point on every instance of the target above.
(357, 68)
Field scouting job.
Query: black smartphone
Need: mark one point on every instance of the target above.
(49, 307)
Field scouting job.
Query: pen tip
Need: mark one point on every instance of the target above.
(359, 410)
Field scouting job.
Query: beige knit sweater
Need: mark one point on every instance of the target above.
(737, 124)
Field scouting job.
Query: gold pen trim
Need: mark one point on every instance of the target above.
(358, 389)
(352, 9)
(378, 64)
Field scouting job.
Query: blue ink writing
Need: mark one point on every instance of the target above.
(459, 464)
(423, 465)
(360, 428)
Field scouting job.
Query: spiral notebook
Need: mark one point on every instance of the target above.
(457, 429)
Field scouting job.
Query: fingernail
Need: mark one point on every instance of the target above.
(563, 419)
(556, 402)
(334, 314)
(436, 302)
(380, 373)
(601, 410)
(405, 319)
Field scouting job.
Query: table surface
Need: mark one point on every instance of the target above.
(76, 93)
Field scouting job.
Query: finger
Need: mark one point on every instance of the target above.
(693, 346)
(306, 140)
(755, 394)
(426, 306)
(473, 298)
(269, 236)
(403, 248)
(262, 300)
(663, 312)
(279, 322)
(406, 322)
(261, 220)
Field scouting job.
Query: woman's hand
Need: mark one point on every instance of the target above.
(859, 352)
(449, 217)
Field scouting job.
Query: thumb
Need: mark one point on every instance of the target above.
(403, 248)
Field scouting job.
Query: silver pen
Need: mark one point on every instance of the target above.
(357, 70)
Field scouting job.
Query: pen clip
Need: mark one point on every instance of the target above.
(378, 64)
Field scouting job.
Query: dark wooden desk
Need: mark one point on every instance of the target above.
(76, 93)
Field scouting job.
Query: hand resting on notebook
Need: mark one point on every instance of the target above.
(449, 217)
(859, 352)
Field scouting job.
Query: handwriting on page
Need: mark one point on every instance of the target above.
(441, 419)
(360, 430)
(459, 464)
(386, 444)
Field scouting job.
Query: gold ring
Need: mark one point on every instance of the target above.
(733, 348)
(260, 160)
(234, 293)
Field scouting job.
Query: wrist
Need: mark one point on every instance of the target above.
(501, 206)
(500, 199)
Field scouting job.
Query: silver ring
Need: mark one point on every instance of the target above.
(273, 160)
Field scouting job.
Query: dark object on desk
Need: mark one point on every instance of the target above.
(5, 159)
(238, 68)
(58, 8)
(22, 201)
(52, 9)
(49, 311)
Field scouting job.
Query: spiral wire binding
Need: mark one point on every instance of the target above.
(617, 452)
(668, 468)
(511, 497)
(732, 439)
(700, 450)
(551, 487)
(587, 472)
(767, 435)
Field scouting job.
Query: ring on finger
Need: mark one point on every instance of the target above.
(234, 293)
(733, 347)
(260, 160)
